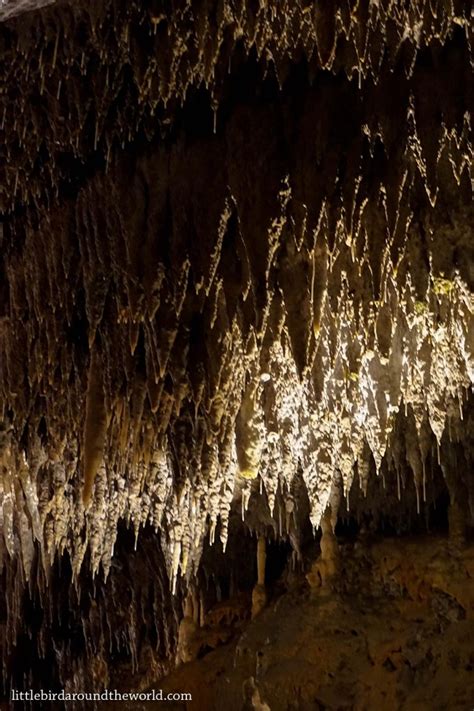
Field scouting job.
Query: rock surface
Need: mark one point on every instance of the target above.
(397, 636)
(236, 297)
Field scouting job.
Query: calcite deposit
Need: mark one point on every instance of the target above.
(236, 304)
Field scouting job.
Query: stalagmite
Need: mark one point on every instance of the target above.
(187, 648)
(259, 593)
(325, 570)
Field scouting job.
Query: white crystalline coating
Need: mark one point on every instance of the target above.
(321, 433)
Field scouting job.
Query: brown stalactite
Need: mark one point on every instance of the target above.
(95, 426)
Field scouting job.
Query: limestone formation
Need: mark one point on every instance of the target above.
(259, 594)
(236, 294)
(326, 570)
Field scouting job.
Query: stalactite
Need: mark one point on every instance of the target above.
(95, 425)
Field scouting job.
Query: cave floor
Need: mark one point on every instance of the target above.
(396, 633)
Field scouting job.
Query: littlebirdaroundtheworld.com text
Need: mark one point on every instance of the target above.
(106, 695)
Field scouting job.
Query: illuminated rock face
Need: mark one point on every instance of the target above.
(236, 280)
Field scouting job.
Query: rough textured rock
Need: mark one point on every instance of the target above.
(235, 290)
(11, 8)
(398, 636)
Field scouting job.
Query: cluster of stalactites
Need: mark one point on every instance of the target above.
(64, 68)
(272, 423)
(125, 615)
(170, 336)
(140, 423)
